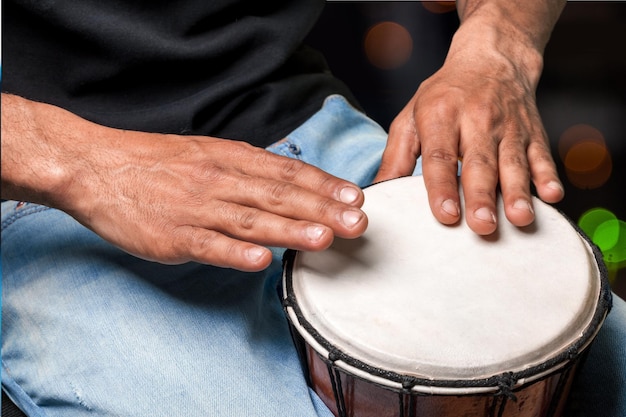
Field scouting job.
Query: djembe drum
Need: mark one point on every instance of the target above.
(415, 318)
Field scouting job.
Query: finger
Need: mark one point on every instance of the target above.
(440, 155)
(242, 232)
(272, 166)
(479, 177)
(284, 200)
(543, 171)
(402, 149)
(515, 180)
(266, 228)
(214, 248)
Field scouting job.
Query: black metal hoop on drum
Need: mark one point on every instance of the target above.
(503, 384)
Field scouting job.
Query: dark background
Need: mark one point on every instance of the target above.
(584, 81)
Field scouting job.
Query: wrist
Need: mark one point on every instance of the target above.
(38, 144)
(529, 22)
(483, 41)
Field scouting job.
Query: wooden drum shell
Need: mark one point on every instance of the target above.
(446, 324)
(544, 398)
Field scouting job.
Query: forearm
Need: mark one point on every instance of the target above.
(516, 30)
(532, 19)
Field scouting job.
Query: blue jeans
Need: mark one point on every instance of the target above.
(90, 330)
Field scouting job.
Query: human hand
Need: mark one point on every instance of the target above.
(175, 199)
(479, 108)
(219, 202)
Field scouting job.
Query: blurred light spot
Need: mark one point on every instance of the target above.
(592, 219)
(588, 165)
(609, 234)
(614, 257)
(587, 160)
(617, 253)
(576, 134)
(439, 6)
(388, 45)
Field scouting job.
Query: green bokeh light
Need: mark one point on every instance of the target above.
(591, 220)
(616, 254)
(608, 233)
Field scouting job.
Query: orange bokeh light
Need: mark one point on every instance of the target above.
(587, 160)
(388, 45)
(439, 6)
(576, 134)
(588, 165)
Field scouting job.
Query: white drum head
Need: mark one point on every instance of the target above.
(418, 298)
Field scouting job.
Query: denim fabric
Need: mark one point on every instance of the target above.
(338, 140)
(600, 388)
(88, 330)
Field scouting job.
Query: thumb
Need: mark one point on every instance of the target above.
(401, 151)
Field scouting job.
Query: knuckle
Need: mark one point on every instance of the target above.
(515, 160)
(234, 219)
(158, 249)
(231, 254)
(239, 149)
(441, 155)
(480, 160)
(324, 207)
(204, 243)
(278, 192)
(290, 169)
(512, 154)
(540, 147)
(443, 109)
(182, 244)
(327, 185)
(544, 157)
(489, 117)
(208, 172)
(539, 153)
(486, 112)
(247, 219)
(488, 106)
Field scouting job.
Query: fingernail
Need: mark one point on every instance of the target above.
(522, 204)
(555, 185)
(255, 253)
(351, 217)
(450, 207)
(485, 215)
(348, 195)
(314, 233)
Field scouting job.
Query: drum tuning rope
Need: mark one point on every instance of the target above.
(506, 382)
(346, 365)
(335, 380)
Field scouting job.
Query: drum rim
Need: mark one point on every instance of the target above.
(502, 381)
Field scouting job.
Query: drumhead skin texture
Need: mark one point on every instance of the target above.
(418, 298)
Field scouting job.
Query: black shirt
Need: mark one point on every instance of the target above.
(227, 68)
